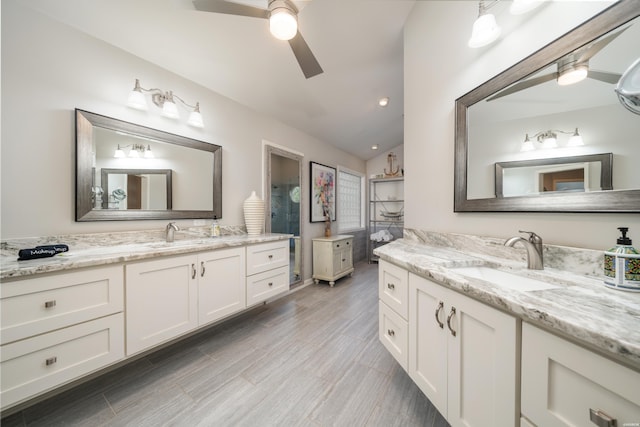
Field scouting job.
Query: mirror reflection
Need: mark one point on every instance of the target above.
(539, 111)
(126, 171)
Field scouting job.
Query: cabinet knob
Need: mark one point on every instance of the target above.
(270, 257)
(391, 286)
(270, 283)
(438, 310)
(451, 314)
(601, 419)
(391, 332)
(50, 361)
(50, 304)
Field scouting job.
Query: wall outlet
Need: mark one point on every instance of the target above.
(199, 222)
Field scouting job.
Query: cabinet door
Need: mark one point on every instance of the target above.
(161, 301)
(482, 365)
(428, 340)
(221, 284)
(562, 383)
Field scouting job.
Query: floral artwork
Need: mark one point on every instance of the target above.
(323, 192)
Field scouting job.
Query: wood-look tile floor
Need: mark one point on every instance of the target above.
(310, 359)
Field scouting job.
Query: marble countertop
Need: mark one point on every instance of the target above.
(89, 250)
(580, 307)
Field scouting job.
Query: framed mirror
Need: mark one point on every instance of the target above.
(524, 107)
(126, 171)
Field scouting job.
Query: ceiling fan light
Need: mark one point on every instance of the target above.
(485, 31)
(573, 74)
(283, 24)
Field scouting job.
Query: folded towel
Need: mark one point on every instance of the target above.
(41, 251)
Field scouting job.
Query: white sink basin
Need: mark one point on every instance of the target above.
(504, 279)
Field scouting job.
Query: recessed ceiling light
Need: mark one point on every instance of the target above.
(383, 102)
(374, 147)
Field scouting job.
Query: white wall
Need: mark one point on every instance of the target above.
(439, 68)
(379, 163)
(49, 69)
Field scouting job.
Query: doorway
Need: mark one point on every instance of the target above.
(283, 197)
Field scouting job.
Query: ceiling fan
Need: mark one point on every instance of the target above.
(283, 23)
(572, 68)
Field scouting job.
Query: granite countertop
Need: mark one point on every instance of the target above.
(580, 308)
(89, 250)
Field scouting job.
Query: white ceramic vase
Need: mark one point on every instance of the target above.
(254, 214)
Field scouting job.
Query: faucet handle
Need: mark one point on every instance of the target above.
(533, 237)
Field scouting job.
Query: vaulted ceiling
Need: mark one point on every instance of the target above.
(358, 43)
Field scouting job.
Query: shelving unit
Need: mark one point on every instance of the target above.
(386, 211)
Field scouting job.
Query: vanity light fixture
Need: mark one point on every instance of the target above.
(136, 151)
(166, 101)
(485, 28)
(549, 139)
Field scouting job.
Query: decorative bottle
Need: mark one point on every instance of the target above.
(622, 265)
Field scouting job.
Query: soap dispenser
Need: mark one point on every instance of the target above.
(622, 265)
(215, 227)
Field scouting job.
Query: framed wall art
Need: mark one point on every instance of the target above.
(323, 193)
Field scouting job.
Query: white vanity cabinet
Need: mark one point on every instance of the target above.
(267, 271)
(332, 258)
(58, 328)
(563, 384)
(393, 326)
(462, 355)
(171, 296)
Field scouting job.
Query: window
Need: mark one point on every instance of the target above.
(350, 194)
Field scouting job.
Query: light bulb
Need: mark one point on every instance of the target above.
(195, 118)
(119, 154)
(136, 98)
(169, 108)
(283, 24)
(575, 140)
(485, 31)
(527, 145)
(148, 154)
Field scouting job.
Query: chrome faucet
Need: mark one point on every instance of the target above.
(172, 227)
(534, 249)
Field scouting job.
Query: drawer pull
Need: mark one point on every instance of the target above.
(338, 245)
(601, 419)
(451, 314)
(202, 270)
(391, 332)
(438, 310)
(270, 257)
(193, 271)
(50, 361)
(270, 283)
(391, 286)
(50, 304)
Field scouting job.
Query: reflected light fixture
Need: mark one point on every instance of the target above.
(166, 101)
(383, 102)
(283, 19)
(136, 151)
(570, 71)
(549, 139)
(485, 28)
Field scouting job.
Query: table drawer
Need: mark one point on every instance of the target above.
(35, 306)
(263, 286)
(266, 256)
(34, 365)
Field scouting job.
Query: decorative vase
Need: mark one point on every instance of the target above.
(254, 214)
(327, 226)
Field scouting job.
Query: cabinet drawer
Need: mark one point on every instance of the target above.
(34, 306)
(393, 287)
(393, 332)
(342, 244)
(561, 382)
(34, 365)
(267, 256)
(263, 286)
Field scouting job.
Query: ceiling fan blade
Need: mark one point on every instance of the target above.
(604, 76)
(524, 85)
(308, 63)
(598, 46)
(221, 6)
